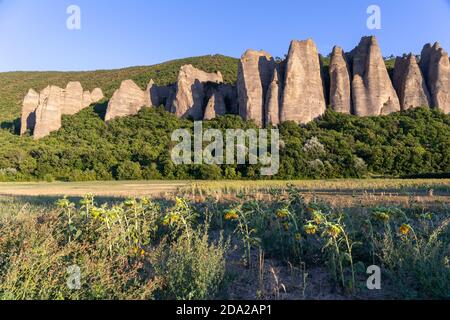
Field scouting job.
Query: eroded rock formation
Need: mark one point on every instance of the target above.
(48, 113)
(273, 99)
(30, 104)
(159, 95)
(216, 105)
(230, 95)
(128, 100)
(303, 96)
(97, 95)
(254, 77)
(410, 84)
(74, 98)
(41, 113)
(267, 92)
(372, 89)
(435, 66)
(190, 91)
(340, 82)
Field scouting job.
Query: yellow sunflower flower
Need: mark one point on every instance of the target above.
(405, 229)
(282, 214)
(231, 215)
(310, 229)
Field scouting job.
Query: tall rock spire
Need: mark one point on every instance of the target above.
(340, 82)
(435, 65)
(303, 97)
(410, 84)
(273, 98)
(372, 89)
(254, 77)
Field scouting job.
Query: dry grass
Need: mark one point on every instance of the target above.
(79, 189)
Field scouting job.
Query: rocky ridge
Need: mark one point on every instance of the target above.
(268, 92)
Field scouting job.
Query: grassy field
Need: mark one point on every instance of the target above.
(156, 188)
(261, 240)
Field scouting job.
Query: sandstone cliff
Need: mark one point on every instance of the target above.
(372, 89)
(40, 111)
(216, 105)
(340, 82)
(190, 92)
(267, 92)
(273, 99)
(158, 95)
(29, 106)
(48, 113)
(435, 66)
(126, 101)
(410, 84)
(303, 96)
(254, 77)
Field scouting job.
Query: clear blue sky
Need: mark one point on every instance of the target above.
(33, 33)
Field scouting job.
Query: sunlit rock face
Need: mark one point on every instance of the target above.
(48, 113)
(128, 100)
(29, 106)
(254, 77)
(191, 91)
(273, 98)
(410, 84)
(340, 82)
(303, 96)
(435, 65)
(372, 89)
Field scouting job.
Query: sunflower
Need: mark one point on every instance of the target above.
(382, 216)
(405, 229)
(171, 219)
(334, 230)
(318, 217)
(231, 215)
(310, 229)
(282, 214)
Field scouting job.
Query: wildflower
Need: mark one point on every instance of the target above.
(298, 237)
(135, 250)
(231, 215)
(286, 226)
(405, 229)
(282, 214)
(334, 230)
(64, 203)
(310, 229)
(171, 219)
(382, 216)
(142, 253)
(96, 213)
(180, 203)
(145, 201)
(129, 203)
(318, 217)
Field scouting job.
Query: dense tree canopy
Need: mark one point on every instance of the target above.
(138, 147)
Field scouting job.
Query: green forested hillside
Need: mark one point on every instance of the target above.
(138, 147)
